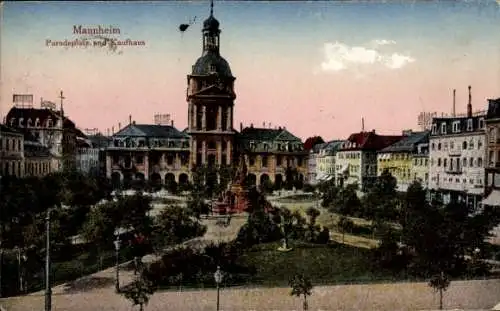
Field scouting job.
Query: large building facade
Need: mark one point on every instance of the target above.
(457, 152)
(400, 158)
(50, 128)
(11, 152)
(161, 153)
(210, 96)
(492, 180)
(356, 159)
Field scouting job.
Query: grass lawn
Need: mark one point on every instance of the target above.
(324, 264)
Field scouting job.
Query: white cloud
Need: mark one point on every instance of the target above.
(339, 56)
(396, 61)
(383, 42)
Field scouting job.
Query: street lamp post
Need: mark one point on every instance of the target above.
(117, 243)
(218, 280)
(48, 290)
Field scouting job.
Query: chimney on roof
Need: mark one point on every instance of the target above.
(373, 131)
(362, 124)
(172, 123)
(133, 122)
(241, 126)
(112, 130)
(279, 128)
(264, 124)
(107, 132)
(119, 125)
(251, 125)
(454, 97)
(469, 105)
(129, 119)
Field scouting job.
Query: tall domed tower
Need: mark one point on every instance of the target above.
(210, 96)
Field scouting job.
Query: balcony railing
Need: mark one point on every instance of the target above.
(455, 170)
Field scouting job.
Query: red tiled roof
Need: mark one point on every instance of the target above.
(370, 141)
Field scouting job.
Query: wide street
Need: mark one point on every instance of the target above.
(469, 295)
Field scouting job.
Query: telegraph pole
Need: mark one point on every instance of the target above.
(48, 290)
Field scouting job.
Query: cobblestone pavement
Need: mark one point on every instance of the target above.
(469, 295)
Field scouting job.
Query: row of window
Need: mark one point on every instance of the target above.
(455, 163)
(29, 123)
(464, 146)
(421, 161)
(349, 155)
(11, 144)
(456, 126)
(15, 168)
(129, 143)
(479, 181)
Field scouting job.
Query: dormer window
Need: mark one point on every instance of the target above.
(443, 128)
(30, 123)
(213, 68)
(469, 125)
(49, 122)
(12, 121)
(456, 127)
(21, 120)
(252, 145)
(481, 123)
(434, 128)
(37, 122)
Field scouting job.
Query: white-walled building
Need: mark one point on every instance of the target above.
(325, 160)
(312, 164)
(457, 152)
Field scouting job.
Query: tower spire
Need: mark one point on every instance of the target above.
(61, 97)
(211, 7)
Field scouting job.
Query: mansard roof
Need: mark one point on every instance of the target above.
(151, 130)
(266, 134)
(37, 113)
(408, 144)
(462, 122)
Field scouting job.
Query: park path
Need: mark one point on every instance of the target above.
(462, 295)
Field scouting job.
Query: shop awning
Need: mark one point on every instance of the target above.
(493, 199)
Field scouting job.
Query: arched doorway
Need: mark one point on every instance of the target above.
(155, 181)
(127, 180)
(169, 178)
(116, 180)
(251, 180)
(263, 179)
(278, 181)
(155, 178)
(139, 176)
(183, 179)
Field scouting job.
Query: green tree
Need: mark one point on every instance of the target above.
(100, 226)
(175, 225)
(301, 286)
(135, 212)
(346, 201)
(345, 225)
(139, 291)
(381, 201)
(440, 283)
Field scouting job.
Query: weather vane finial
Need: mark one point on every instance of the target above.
(211, 7)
